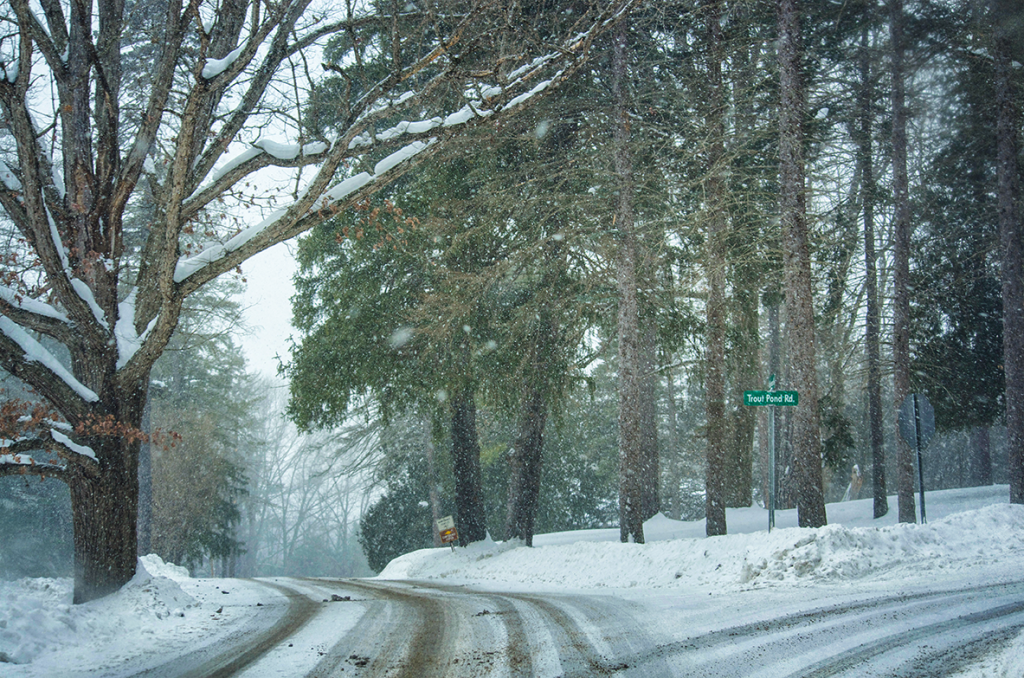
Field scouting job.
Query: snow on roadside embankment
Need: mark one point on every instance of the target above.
(36, 615)
(992, 536)
(982, 542)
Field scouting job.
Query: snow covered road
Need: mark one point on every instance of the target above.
(926, 634)
(429, 630)
(860, 597)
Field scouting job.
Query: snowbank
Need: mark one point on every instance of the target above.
(36, 615)
(957, 542)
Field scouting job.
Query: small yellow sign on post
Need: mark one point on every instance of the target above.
(446, 530)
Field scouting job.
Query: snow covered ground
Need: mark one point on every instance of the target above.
(972, 536)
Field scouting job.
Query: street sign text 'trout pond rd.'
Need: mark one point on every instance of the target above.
(783, 398)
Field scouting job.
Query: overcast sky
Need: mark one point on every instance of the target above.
(268, 307)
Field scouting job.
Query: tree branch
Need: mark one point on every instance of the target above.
(22, 357)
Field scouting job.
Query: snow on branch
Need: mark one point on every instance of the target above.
(128, 340)
(318, 199)
(17, 300)
(37, 353)
(72, 446)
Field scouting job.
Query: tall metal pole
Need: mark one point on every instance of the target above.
(920, 468)
(771, 457)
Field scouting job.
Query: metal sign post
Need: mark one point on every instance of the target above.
(916, 426)
(770, 399)
(771, 458)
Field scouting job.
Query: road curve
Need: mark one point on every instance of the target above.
(429, 630)
(432, 631)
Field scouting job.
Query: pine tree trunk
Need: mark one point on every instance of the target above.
(743, 419)
(714, 357)
(771, 300)
(872, 320)
(1012, 261)
(797, 267)
(650, 464)
(525, 467)
(901, 263)
(673, 484)
(469, 503)
(631, 524)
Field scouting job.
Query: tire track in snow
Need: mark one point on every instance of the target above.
(792, 645)
(242, 647)
(588, 634)
(973, 624)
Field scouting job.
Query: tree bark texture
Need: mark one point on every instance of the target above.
(525, 466)
(772, 359)
(469, 502)
(650, 454)
(673, 493)
(631, 523)
(716, 226)
(872, 316)
(1008, 124)
(742, 420)
(901, 261)
(797, 276)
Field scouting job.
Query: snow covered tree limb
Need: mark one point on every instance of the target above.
(48, 324)
(16, 457)
(18, 464)
(50, 379)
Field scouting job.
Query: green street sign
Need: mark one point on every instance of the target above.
(760, 398)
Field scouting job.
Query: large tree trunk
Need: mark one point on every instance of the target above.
(145, 514)
(797, 267)
(469, 502)
(650, 455)
(631, 523)
(773, 359)
(673, 491)
(104, 507)
(525, 467)
(872, 317)
(1013, 262)
(745, 375)
(901, 263)
(714, 357)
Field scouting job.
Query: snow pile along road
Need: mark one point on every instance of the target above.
(36, 615)
(992, 536)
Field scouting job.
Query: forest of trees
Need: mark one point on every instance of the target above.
(548, 246)
(730, 190)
